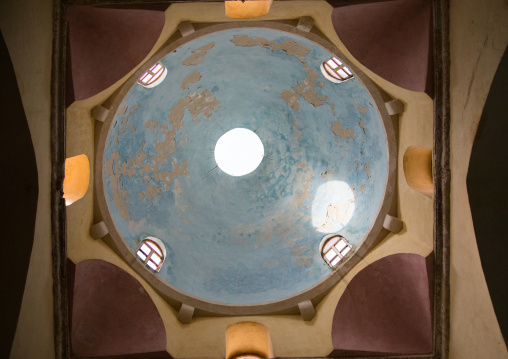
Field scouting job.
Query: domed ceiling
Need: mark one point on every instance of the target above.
(254, 238)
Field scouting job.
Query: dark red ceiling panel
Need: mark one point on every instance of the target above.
(112, 315)
(391, 38)
(385, 309)
(105, 44)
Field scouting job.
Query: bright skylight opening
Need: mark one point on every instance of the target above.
(239, 152)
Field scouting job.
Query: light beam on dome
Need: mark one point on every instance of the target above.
(239, 152)
(333, 206)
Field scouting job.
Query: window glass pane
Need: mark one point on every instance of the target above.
(328, 68)
(347, 70)
(336, 261)
(343, 74)
(345, 251)
(337, 60)
(145, 249)
(157, 67)
(154, 79)
(152, 265)
(332, 64)
(147, 78)
(155, 258)
(340, 246)
(141, 255)
(330, 254)
(329, 244)
(154, 247)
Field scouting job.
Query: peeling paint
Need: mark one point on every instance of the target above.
(198, 55)
(191, 78)
(339, 130)
(307, 88)
(336, 213)
(161, 180)
(362, 109)
(196, 103)
(291, 99)
(362, 126)
(325, 174)
(367, 171)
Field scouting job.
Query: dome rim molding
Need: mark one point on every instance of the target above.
(175, 296)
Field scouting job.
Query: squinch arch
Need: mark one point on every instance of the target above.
(386, 309)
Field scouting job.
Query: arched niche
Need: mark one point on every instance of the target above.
(248, 339)
(247, 9)
(77, 178)
(417, 163)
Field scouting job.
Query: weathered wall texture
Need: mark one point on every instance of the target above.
(27, 30)
(478, 38)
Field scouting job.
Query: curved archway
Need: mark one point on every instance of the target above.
(113, 315)
(391, 38)
(386, 309)
(105, 44)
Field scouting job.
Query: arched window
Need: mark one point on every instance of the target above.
(154, 76)
(333, 249)
(152, 252)
(334, 70)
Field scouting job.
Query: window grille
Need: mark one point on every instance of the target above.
(334, 70)
(334, 248)
(154, 76)
(151, 254)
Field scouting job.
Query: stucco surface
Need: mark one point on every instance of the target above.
(256, 237)
(26, 28)
(478, 39)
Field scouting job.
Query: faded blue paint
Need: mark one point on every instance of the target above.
(248, 239)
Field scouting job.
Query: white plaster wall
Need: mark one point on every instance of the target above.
(478, 38)
(27, 30)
